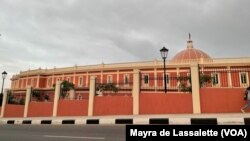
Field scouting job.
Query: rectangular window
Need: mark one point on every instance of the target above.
(68, 79)
(23, 84)
(146, 79)
(167, 78)
(109, 80)
(126, 79)
(215, 78)
(189, 78)
(243, 78)
(49, 82)
(32, 82)
(80, 82)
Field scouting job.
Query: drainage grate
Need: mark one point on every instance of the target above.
(92, 121)
(46, 122)
(124, 121)
(247, 121)
(11, 122)
(68, 122)
(26, 121)
(158, 121)
(210, 121)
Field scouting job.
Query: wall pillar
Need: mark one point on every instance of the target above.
(91, 95)
(72, 94)
(195, 88)
(4, 102)
(27, 101)
(56, 98)
(136, 91)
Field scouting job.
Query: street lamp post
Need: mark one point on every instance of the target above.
(4, 75)
(164, 54)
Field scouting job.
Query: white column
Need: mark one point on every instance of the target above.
(56, 98)
(53, 81)
(27, 101)
(195, 88)
(27, 79)
(4, 102)
(18, 83)
(74, 79)
(229, 77)
(91, 95)
(101, 76)
(87, 79)
(178, 75)
(117, 77)
(136, 91)
(38, 81)
(155, 79)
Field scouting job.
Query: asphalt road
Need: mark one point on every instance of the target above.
(62, 133)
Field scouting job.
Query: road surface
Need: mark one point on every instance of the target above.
(62, 133)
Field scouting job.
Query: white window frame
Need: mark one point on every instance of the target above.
(189, 80)
(80, 80)
(167, 79)
(124, 78)
(79, 97)
(218, 79)
(109, 78)
(246, 75)
(68, 79)
(145, 79)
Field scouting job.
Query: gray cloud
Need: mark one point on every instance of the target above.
(63, 33)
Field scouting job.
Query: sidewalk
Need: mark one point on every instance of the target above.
(172, 119)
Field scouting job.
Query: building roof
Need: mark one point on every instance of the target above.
(190, 54)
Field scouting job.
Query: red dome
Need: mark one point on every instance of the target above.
(190, 55)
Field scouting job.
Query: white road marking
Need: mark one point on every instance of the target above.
(74, 137)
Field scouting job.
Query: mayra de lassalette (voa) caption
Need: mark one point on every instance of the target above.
(161, 132)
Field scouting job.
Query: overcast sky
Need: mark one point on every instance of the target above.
(62, 33)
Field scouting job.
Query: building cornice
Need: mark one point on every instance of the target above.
(131, 65)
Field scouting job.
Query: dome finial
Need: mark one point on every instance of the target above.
(189, 42)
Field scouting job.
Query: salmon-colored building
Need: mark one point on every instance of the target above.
(196, 83)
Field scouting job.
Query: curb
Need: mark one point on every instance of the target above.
(119, 121)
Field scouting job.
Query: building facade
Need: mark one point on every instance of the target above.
(196, 83)
(226, 72)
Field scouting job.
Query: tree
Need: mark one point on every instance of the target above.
(65, 87)
(36, 94)
(204, 79)
(107, 87)
(184, 88)
(10, 97)
(46, 97)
